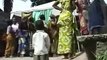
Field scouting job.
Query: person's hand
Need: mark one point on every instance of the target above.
(55, 5)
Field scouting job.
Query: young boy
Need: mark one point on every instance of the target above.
(41, 42)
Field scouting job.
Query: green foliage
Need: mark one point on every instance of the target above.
(102, 56)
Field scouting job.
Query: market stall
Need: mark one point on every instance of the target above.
(45, 9)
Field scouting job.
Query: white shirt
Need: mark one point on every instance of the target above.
(41, 42)
(15, 27)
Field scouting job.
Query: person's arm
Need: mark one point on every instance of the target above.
(77, 6)
(8, 30)
(47, 40)
(55, 5)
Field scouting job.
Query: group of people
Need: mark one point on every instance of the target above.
(58, 36)
(50, 40)
(18, 37)
(89, 20)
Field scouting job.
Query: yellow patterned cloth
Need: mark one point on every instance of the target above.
(66, 29)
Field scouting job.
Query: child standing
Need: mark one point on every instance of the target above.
(41, 42)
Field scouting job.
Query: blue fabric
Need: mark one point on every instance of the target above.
(96, 18)
(24, 43)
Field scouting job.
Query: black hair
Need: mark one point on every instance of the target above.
(9, 22)
(42, 17)
(39, 25)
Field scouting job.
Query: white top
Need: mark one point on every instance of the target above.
(15, 27)
(41, 42)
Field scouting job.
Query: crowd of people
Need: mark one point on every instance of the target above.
(57, 37)
(18, 36)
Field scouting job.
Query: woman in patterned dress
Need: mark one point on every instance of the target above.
(81, 6)
(65, 23)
